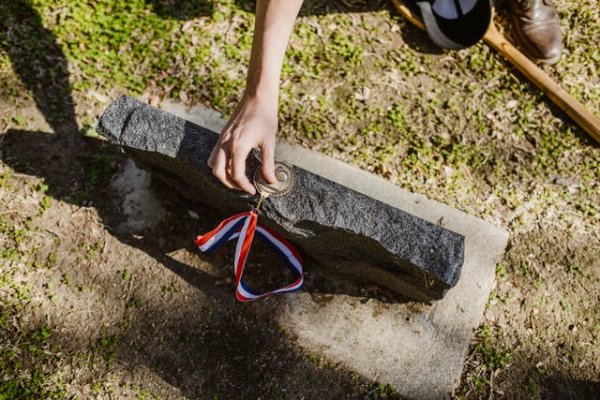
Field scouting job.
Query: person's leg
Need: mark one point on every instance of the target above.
(536, 28)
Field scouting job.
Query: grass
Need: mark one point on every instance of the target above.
(461, 127)
(27, 368)
(490, 360)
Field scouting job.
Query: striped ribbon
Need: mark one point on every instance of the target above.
(243, 227)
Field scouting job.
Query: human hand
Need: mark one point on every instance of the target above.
(253, 124)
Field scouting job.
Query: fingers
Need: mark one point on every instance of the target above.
(220, 145)
(238, 170)
(218, 163)
(213, 155)
(268, 161)
(254, 123)
(228, 163)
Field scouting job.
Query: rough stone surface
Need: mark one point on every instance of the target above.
(418, 349)
(330, 222)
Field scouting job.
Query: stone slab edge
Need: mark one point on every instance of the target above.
(419, 349)
(332, 223)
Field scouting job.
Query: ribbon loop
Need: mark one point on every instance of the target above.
(243, 227)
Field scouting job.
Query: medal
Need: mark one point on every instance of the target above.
(285, 182)
(245, 225)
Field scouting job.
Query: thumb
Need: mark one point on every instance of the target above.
(268, 162)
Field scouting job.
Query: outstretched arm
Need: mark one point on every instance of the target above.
(254, 122)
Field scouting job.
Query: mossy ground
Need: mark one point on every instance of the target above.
(359, 84)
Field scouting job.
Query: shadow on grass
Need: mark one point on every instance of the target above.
(182, 9)
(39, 62)
(414, 37)
(564, 387)
(42, 66)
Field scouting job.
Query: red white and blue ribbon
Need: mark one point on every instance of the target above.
(243, 228)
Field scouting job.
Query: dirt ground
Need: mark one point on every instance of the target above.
(92, 306)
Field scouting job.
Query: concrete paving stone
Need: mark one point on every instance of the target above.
(417, 348)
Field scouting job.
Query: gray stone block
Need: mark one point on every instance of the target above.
(329, 222)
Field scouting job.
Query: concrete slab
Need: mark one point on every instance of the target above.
(419, 349)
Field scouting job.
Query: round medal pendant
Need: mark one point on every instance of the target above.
(285, 181)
